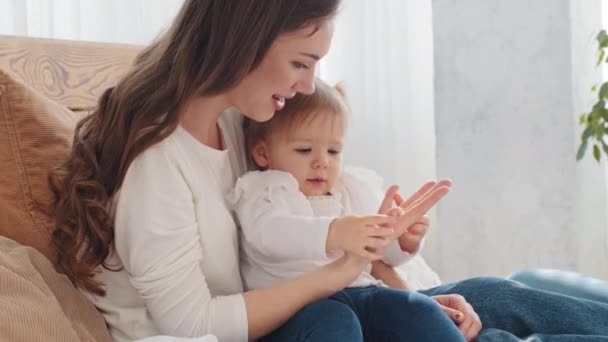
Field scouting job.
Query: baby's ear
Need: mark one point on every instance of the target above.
(259, 154)
(341, 88)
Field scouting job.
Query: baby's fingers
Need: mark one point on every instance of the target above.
(377, 243)
(378, 232)
(379, 220)
(371, 256)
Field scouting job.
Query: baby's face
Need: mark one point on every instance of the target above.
(311, 152)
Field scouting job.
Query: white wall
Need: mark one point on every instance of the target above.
(510, 77)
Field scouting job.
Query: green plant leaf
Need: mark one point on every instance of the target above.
(600, 58)
(604, 91)
(596, 152)
(603, 94)
(594, 88)
(604, 147)
(581, 150)
(582, 118)
(586, 134)
(598, 107)
(602, 39)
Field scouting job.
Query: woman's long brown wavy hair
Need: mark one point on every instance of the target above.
(210, 47)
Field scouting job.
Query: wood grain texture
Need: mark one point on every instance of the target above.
(72, 73)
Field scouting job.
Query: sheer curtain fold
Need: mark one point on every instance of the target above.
(383, 52)
(116, 21)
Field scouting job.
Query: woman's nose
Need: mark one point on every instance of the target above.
(306, 85)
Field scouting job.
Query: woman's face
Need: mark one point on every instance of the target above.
(287, 68)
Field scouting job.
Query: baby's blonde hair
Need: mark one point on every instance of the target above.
(326, 100)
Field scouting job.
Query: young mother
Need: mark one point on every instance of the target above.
(142, 193)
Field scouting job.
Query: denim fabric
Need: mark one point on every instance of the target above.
(564, 282)
(376, 314)
(512, 311)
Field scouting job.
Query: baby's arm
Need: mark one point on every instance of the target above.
(277, 223)
(389, 276)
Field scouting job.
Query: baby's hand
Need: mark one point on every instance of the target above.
(363, 236)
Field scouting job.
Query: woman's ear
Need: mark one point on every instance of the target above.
(259, 153)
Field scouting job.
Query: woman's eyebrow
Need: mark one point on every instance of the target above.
(311, 55)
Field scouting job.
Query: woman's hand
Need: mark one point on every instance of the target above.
(462, 313)
(410, 233)
(363, 236)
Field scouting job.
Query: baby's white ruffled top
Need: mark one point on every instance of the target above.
(284, 233)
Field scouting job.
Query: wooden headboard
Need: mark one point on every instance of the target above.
(71, 73)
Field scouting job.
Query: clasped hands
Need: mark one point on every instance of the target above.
(367, 236)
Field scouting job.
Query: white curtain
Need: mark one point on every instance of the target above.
(116, 21)
(383, 51)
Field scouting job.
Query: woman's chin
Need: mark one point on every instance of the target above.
(262, 116)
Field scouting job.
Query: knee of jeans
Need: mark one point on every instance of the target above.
(339, 318)
(490, 286)
(525, 275)
(418, 306)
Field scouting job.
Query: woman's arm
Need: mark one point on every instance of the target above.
(268, 308)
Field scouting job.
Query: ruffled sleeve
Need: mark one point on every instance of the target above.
(276, 219)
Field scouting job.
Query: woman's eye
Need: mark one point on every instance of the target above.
(303, 150)
(299, 65)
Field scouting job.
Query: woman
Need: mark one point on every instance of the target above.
(166, 240)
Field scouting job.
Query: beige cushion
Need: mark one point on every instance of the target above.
(39, 304)
(35, 136)
(36, 303)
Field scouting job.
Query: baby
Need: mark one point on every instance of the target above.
(300, 210)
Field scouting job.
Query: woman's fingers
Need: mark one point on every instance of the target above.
(387, 203)
(424, 192)
(455, 315)
(414, 212)
(472, 330)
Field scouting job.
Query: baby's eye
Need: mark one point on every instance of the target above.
(333, 151)
(303, 150)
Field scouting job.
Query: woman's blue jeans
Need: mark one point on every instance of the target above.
(369, 314)
(565, 282)
(510, 311)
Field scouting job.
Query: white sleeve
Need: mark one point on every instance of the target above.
(157, 239)
(395, 256)
(276, 219)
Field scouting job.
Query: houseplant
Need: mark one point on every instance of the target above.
(596, 121)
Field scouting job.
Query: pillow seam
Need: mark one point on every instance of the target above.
(16, 150)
